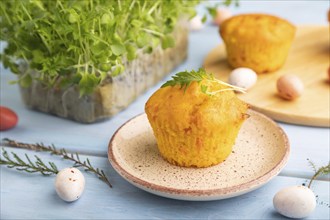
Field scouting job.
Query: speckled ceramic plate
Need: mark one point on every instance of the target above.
(261, 151)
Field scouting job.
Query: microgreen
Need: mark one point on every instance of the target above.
(185, 78)
(212, 10)
(81, 42)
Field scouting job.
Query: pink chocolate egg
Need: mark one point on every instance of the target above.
(290, 87)
(221, 15)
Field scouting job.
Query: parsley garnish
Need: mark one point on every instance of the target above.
(185, 78)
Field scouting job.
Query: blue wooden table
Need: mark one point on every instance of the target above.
(32, 196)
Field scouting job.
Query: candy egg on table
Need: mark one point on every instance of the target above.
(8, 118)
(221, 15)
(196, 23)
(69, 184)
(295, 201)
(290, 87)
(243, 77)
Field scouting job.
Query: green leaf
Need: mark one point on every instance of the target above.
(118, 49)
(99, 48)
(212, 11)
(119, 69)
(105, 19)
(38, 56)
(204, 88)
(25, 81)
(204, 19)
(14, 68)
(87, 83)
(131, 52)
(185, 78)
(167, 42)
(136, 23)
(105, 67)
(73, 16)
(142, 40)
(148, 49)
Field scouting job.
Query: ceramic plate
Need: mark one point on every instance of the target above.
(261, 151)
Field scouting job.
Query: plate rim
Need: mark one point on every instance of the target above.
(224, 192)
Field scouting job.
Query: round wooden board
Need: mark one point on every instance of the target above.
(308, 59)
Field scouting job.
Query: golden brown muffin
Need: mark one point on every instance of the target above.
(192, 128)
(257, 41)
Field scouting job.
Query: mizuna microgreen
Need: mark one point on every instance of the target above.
(81, 42)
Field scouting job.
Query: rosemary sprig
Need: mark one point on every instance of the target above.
(185, 78)
(318, 171)
(61, 152)
(30, 167)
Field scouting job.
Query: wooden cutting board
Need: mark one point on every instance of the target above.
(309, 59)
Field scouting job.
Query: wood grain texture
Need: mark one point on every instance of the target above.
(308, 59)
(32, 196)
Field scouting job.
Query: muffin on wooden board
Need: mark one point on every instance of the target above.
(195, 125)
(257, 41)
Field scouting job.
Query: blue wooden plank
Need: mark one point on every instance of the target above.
(33, 196)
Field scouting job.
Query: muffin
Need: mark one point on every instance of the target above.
(194, 127)
(257, 41)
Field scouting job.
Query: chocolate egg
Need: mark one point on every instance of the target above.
(69, 184)
(242, 77)
(196, 23)
(8, 118)
(295, 201)
(221, 15)
(290, 87)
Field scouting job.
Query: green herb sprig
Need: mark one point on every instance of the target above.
(324, 170)
(74, 157)
(185, 78)
(30, 167)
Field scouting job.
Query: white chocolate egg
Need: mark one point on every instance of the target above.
(221, 15)
(290, 87)
(295, 201)
(196, 23)
(69, 184)
(243, 77)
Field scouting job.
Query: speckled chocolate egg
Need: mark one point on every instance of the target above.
(69, 184)
(196, 23)
(295, 201)
(290, 87)
(243, 77)
(221, 15)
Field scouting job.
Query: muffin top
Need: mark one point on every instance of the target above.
(194, 109)
(260, 27)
